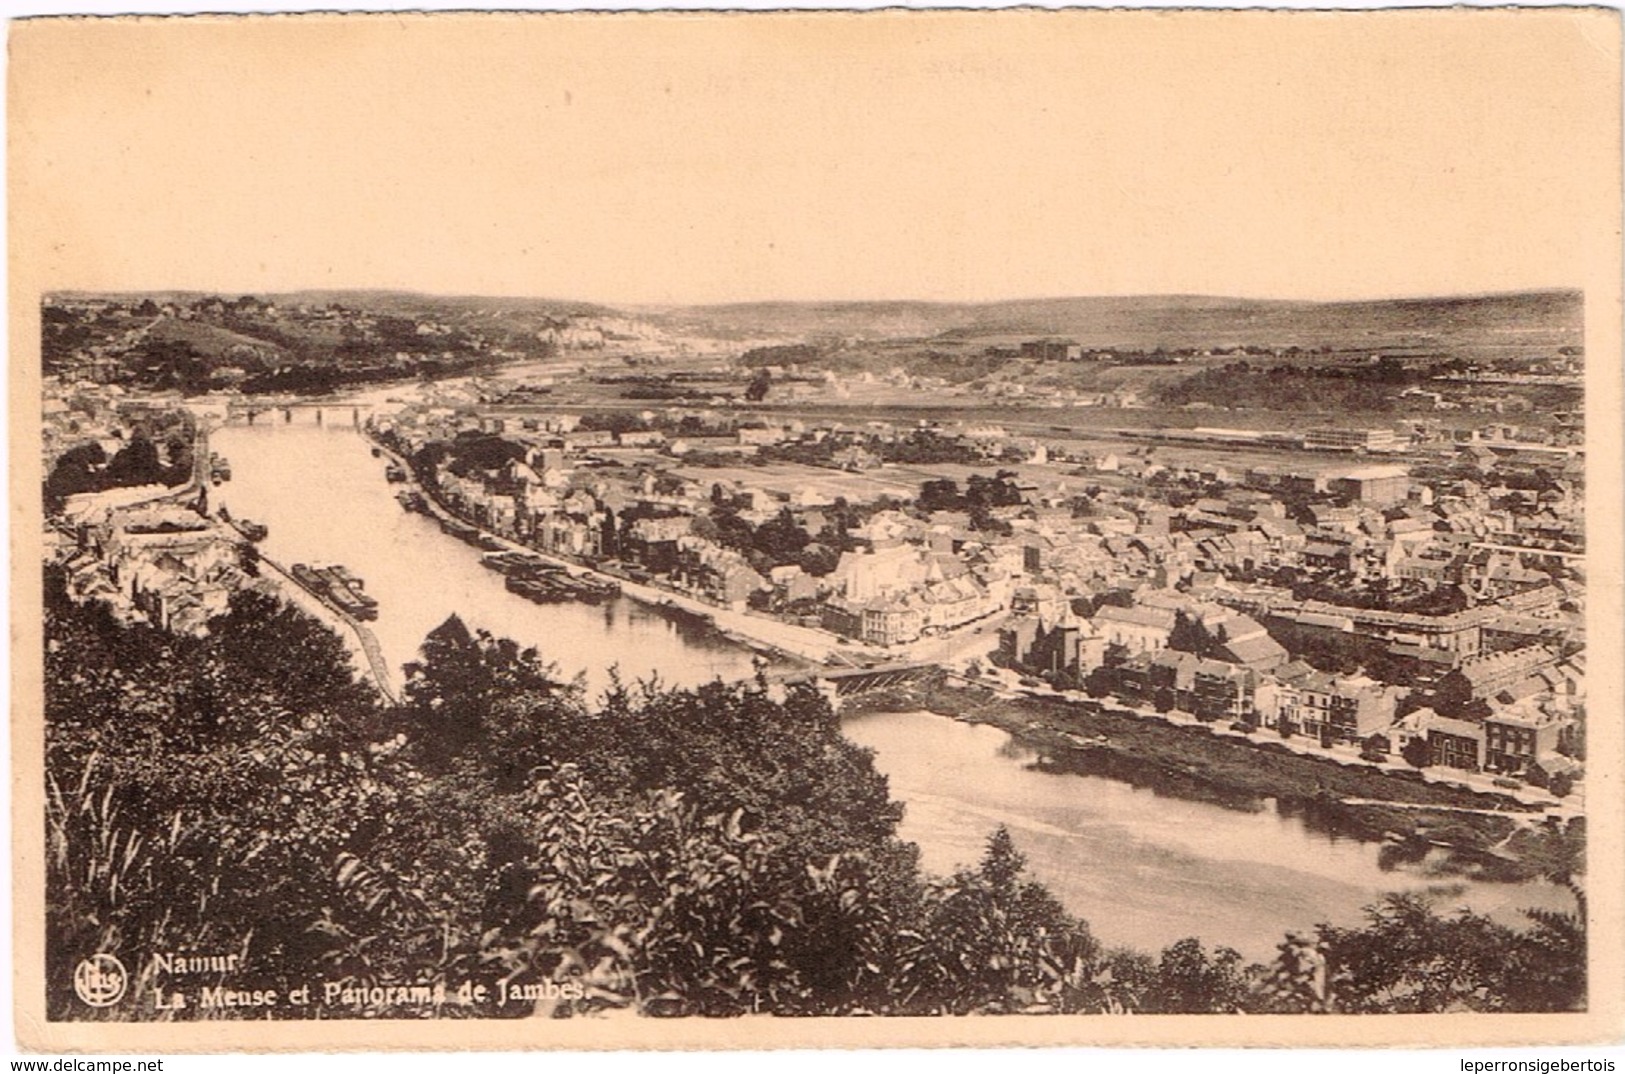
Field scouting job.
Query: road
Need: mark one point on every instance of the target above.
(956, 648)
(1527, 550)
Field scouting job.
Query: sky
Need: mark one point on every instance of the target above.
(709, 158)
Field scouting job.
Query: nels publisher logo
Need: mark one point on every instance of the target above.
(100, 980)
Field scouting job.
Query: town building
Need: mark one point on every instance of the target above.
(1378, 439)
(1334, 708)
(1136, 629)
(1516, 739)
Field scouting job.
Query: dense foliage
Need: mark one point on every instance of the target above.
(1368, 387)
(709, 851)
(87, 467)
(196, 344)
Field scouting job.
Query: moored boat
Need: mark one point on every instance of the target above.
(337, 587)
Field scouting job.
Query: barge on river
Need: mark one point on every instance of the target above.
(470, 534)
(541, 580)
(252, 531)
(337, 587)
(559, 587)
(460, 530)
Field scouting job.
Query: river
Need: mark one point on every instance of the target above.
(324, 497)
(1144, 870)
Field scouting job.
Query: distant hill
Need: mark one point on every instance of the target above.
(401, 303)
(1541, 318)
(413, 303)
(1475, 324)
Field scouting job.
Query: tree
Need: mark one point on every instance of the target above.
(819, 559)
(1181, 638)
(705, 851)
(136, 463)
(1374, 748)
(474, 451)
(452, 695)
(1417, 752)
(1187, 635)
(940, 494)
(1189, 981)
(79, 469)
(1296, 982)
(1546, 968)
(200, 786)
(780, 539)
(990, 942)
(758, 387)
(706, 528)
(1409, 960)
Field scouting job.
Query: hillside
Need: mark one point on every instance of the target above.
(1547, 318)
(322, 340)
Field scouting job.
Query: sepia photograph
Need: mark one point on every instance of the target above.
(815, 529)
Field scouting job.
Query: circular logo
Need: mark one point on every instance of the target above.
(100, 980)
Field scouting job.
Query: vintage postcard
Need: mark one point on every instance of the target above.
(816, 529)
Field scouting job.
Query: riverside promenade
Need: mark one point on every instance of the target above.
(365, 641)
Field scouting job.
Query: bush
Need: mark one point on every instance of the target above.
(706, 851)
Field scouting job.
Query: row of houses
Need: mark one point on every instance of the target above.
(164, 564)
(1502, 711)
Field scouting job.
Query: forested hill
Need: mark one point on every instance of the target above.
(308, 342)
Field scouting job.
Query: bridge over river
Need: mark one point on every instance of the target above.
(848, 682)
(338, 413)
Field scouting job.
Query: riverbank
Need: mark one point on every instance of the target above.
(796, 644)
(1484, 836)
(357, 637)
